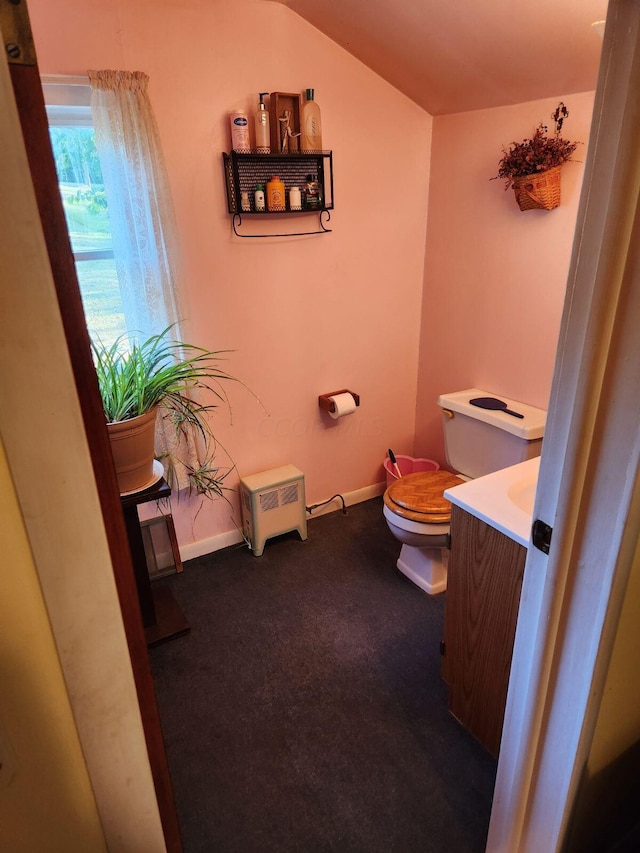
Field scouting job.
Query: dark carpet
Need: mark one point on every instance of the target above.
(305, 710)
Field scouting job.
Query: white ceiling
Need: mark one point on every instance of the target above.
(451, 56)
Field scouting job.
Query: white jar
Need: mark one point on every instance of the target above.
(258, 198)
(295, 199)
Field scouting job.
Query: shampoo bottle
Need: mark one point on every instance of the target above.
(311, 138)
(311, 193)
(263, 142)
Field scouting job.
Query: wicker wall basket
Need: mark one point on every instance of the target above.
(541, 191)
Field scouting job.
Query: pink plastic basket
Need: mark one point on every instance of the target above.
(407, 465)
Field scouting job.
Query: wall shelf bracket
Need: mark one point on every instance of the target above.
(237, 223)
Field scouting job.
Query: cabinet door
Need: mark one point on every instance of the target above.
(483, 594)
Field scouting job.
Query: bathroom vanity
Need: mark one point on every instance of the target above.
(490, 526)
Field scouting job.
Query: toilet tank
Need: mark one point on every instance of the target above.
(480, 441)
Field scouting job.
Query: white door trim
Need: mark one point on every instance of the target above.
(589, 486)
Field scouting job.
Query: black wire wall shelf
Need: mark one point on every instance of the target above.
(244, 170)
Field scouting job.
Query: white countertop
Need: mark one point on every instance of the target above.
(503, 499)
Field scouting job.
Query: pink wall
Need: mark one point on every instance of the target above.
(304, 315)
(495, 277)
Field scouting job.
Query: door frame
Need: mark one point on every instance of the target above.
(85, 567)
(589, 483)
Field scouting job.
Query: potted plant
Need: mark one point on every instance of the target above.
(161, 376)
(532, 167)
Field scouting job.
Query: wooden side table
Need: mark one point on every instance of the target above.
(161, 614)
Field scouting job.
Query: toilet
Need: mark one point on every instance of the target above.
(477, 441)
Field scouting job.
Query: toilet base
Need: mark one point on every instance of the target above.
(426, 567)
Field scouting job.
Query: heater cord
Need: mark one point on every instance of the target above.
(311, 508)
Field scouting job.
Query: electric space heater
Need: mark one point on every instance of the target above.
(273, 502)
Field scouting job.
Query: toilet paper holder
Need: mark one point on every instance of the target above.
(328, 405)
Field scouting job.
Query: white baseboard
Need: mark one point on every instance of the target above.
(210, 544)
(233, 537)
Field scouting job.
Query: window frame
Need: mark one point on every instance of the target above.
(68, 104)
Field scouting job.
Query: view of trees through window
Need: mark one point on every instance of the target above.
(86, 211)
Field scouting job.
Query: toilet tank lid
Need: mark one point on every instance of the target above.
(530, 427)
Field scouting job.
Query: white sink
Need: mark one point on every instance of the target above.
(523, 494)
(503, 499)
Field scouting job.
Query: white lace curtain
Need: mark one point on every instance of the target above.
(141, 217)
(140, 206)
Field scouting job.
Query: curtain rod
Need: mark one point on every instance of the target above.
(67, 79)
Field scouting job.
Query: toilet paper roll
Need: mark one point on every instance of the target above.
(344, 405)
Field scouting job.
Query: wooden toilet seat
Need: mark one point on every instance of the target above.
(419, 497)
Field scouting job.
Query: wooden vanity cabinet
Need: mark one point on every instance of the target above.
(484, 581)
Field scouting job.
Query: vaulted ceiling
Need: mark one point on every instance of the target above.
(451, 56)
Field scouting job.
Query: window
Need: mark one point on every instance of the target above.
(125, 249)
(85, 207)
(119, 213)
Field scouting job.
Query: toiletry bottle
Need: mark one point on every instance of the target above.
(311, 125)
(263, 141)
(295, 199)
(258, 198)
(312, 194)
(245, 204)
(239, 131)
(275, 194)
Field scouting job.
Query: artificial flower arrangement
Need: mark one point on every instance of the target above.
(532, 167)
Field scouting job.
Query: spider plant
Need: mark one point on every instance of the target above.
(135, 377)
